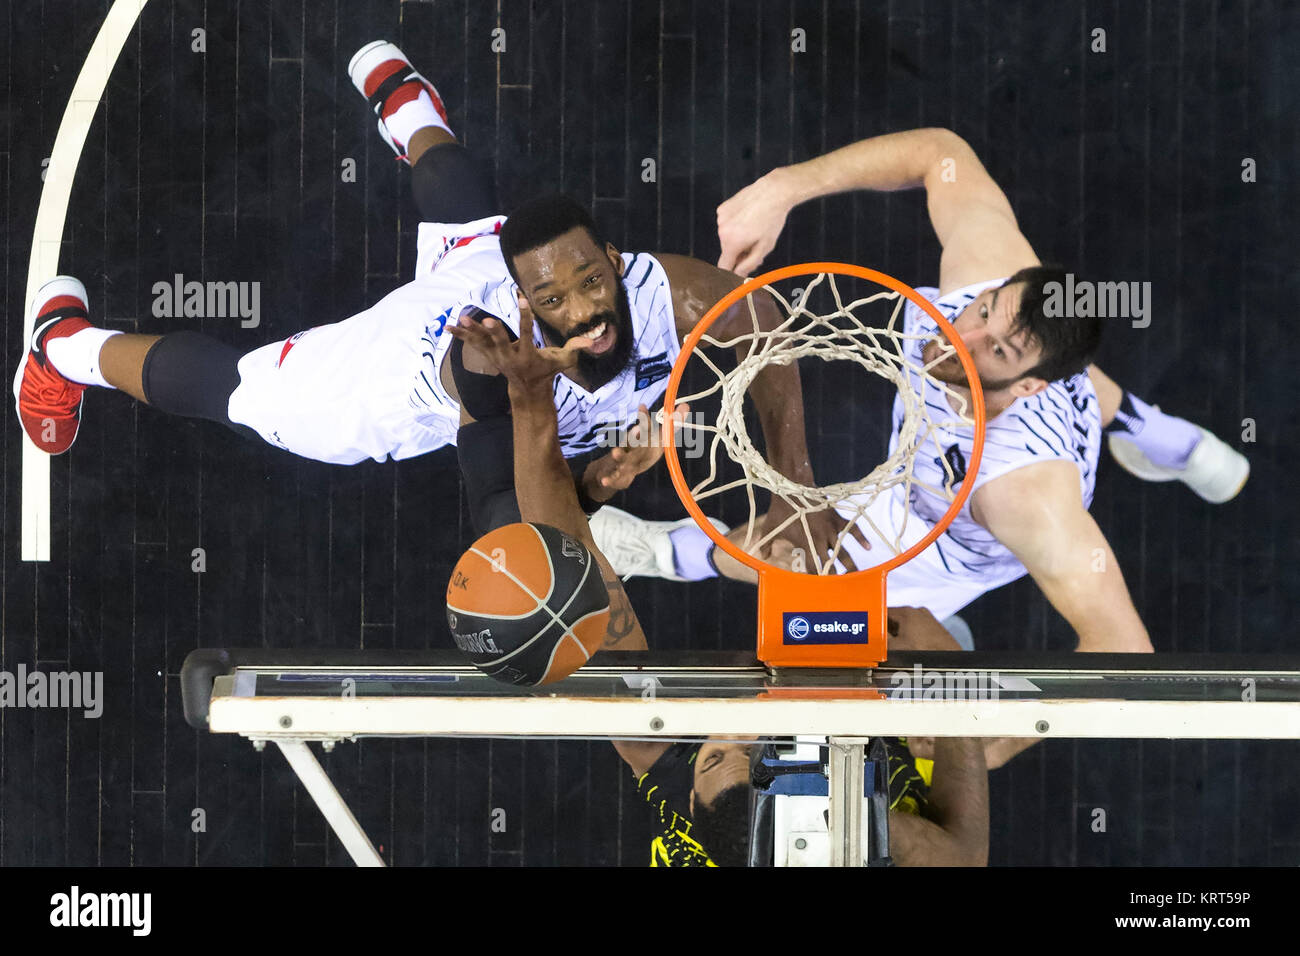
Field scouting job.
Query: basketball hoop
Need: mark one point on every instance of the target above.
(819, 618)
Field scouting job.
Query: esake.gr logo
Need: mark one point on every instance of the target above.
(825, 627)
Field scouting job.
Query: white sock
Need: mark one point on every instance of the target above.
(76, 356)
(413, 116)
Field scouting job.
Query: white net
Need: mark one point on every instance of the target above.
(841, 334)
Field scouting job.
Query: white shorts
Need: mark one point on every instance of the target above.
(927, 581)
(369, 386)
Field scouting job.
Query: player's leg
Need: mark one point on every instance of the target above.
(448, 183)
(184, 373)
(410, 112)
(1156, 446)
(122, 359)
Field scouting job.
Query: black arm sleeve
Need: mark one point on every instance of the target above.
(487, 453)
(487, 462)
(483, 396)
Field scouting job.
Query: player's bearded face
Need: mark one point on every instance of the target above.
(996, 368)
(950, 372)
(597, 368)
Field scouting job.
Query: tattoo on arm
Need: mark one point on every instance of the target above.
(624, 632)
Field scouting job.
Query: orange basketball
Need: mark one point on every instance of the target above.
(527, 604)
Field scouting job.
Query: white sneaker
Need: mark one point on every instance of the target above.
(635, 547)
(1214, 470)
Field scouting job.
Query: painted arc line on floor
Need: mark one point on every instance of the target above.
(47, 238)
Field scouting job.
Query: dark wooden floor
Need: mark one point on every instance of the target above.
(226, 165)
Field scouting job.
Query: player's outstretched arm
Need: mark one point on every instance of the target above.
(777, 391)
(956, 830)
(543, 483)
(750, 222)
(969, 212)
(1038, 513)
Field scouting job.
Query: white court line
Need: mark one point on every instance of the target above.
(47, 238)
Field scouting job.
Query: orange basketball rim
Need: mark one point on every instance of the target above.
(785, 595)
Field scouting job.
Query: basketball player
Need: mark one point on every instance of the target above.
(938, 787)
(387, 383)
(546, 495)
(701, 791)
(1046, 405)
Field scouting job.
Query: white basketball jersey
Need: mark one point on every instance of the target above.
(371, 386)
(583, 416)
(1061, 422)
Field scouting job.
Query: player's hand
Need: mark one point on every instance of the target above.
(639, 450)
(750, 222)
(521, 361)
(791, 545)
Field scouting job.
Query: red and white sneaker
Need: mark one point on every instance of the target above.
(385, 77)
(49, 405)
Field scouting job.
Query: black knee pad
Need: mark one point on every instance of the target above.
(451, 185)
(190, 374)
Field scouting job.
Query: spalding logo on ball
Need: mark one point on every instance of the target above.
(527, 604)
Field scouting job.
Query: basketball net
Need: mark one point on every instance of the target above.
(931, 409)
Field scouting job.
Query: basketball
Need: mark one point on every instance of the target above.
(527, 604)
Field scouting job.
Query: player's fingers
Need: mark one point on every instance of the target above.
(577, 344)
(525, 318)
(849, 564)
(494, 330)
(470, 331)
(753, 258)
(559, 358)
(731, 251)
(860, 536)
(781, 554)
(465, 325)
(637, 433)
(645, 455)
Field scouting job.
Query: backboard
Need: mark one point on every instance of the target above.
(311, 695)
(294, 697)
